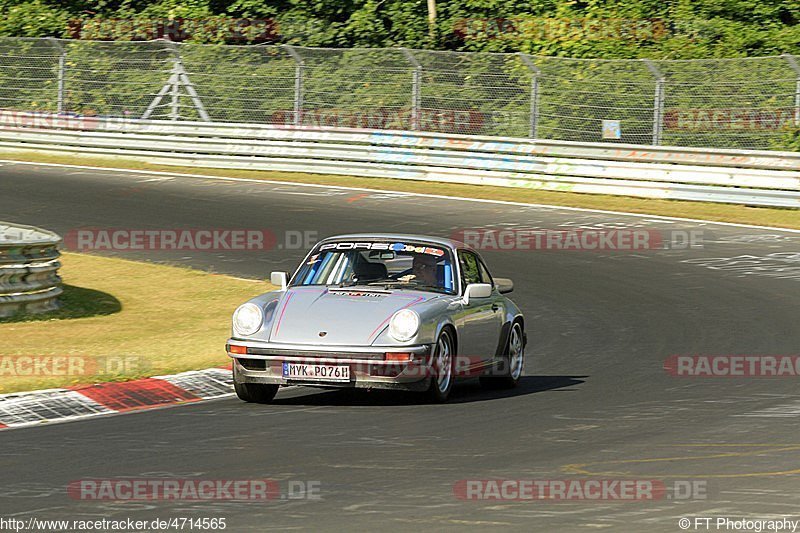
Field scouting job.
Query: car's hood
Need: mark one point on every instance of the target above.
(329, 316)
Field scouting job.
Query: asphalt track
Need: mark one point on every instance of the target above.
(595, 401)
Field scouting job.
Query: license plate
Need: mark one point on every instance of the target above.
(316, 372)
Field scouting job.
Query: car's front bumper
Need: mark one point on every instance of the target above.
(262, 362)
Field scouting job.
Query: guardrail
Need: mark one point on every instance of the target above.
(763, 178)
(29, 281)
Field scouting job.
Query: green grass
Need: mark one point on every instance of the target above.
(760, 216)
(76, 302)
(157, 319)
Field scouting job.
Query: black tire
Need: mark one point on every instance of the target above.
(254, 392)
(512, 368)
(442, 368)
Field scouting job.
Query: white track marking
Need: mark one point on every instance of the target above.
(32, 408)
(385, 191)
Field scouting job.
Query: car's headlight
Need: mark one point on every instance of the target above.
(247, 319)
(404, 325)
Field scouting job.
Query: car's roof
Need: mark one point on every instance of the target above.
(450, 243)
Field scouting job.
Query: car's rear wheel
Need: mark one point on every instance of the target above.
(253, 392)
(514, 360)
(442, 364)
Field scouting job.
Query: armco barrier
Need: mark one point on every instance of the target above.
(730, 176)
(29, 280)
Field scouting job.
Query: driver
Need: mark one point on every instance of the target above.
(424, 269)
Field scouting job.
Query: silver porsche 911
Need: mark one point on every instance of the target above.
(379, 311)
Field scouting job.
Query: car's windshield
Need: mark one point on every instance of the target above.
(379, 263)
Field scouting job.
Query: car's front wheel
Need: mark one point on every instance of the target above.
(442, 364)
(512, 365)
(254, 392)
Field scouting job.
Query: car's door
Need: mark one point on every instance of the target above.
(482, 317)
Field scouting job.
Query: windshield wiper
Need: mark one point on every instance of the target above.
(356, 283)
(412, 284)
(433, 288)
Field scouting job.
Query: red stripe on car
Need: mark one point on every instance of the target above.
(285, 305)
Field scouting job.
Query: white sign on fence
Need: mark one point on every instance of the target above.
(612, 129)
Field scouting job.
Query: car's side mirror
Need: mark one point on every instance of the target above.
(504, 285)
(281, 279)
(477, 290)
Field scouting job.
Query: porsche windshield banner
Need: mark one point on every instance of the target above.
(393, 247)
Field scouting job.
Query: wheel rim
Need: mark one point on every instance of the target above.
(515, 352)
(444, 367)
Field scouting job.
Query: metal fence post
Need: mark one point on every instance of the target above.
(534, 110)
(658, 101)
(416, 86)
(62, 72)
(174, 108)
(298, 83)
(62, 68)
(793, 64)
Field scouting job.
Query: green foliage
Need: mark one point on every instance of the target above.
(32, 19)
(679, 29)
(789, 142)
(707, 103)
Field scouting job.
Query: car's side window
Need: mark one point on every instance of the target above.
(470, 271)
(485, 276)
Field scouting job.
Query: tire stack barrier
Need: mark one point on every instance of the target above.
(29, 263)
